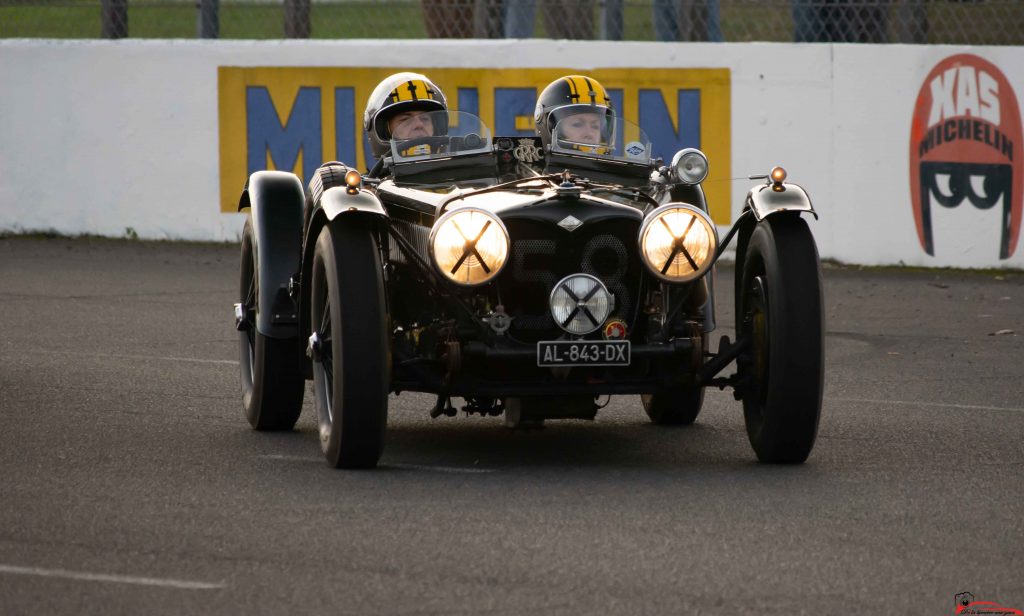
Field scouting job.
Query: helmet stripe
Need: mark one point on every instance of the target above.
(574, 93)
(413, 90)
(598, 94)
(580, 88)
(590, 90)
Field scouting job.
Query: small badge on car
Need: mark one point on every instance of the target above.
(570, 223)
(614, 329)
(527, 151)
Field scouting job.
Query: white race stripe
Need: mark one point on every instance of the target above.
(104, 577)
(281, 456)
(439, 469)
(969, 407)
(413, 467)
(193, 360)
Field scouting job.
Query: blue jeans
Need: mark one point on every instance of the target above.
(520, 15)
(687, 20)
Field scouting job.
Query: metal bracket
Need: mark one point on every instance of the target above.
(727, 352)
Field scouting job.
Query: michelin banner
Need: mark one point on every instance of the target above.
(294, 118)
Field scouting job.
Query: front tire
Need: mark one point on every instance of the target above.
(349, 344)
(271, 368)
(780, 313)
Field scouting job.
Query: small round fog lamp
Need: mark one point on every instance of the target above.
(352, 181)
(778, 176)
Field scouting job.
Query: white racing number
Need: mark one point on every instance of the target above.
(613, 279)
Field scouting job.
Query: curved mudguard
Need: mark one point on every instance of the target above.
(335, 204)
(766, 199)
(330, 205)
(336, 201)
(275, 199)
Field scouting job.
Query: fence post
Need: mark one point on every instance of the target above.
(114, 15)
(296, 19)
(209, 19)
(611, 20)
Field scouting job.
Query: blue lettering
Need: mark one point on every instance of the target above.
(617, 102)
(345, 125)
(656, 122)
(512, 102)
(469, 101)
(300, 133)
(368, 158)
(619, 106)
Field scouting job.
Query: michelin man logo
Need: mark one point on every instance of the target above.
(966, 168)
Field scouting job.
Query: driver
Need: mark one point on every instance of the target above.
(398, 108)
(580, 108)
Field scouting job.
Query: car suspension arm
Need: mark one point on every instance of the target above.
(727, 352)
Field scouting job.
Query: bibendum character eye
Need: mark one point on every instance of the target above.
(978, 186)
(942, 181)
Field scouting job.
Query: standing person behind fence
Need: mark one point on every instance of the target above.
(393, 108)
(687, 20)
(563, 19)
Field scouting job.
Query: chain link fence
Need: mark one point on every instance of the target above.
(974, 22)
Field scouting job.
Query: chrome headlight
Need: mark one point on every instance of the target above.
(678, 242)
(580, 303)
(469, 246)
(690, 166)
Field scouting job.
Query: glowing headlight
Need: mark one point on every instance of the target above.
(580, 303)
(678, 242)
(469, 246)
(690, 166)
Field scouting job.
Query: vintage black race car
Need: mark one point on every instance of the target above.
(527, 281)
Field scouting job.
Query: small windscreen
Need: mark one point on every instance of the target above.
(593, 135)
(439, 134)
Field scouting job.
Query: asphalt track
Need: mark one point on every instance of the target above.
(130, 482)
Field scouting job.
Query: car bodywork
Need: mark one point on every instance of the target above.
(572, 219)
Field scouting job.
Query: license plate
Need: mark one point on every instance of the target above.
(583, 353)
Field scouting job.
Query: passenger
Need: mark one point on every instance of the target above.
(583, 128)
(581, 109)
(393, 106)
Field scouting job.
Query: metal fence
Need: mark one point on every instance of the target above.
(975, 22)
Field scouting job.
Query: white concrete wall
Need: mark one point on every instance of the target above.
(101, 136)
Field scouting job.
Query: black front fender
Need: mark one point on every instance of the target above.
(276, 199)
(768, 199)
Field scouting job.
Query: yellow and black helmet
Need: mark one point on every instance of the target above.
(398, 93)
(570, 95)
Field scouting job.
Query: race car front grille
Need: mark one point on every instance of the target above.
(543, 254)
